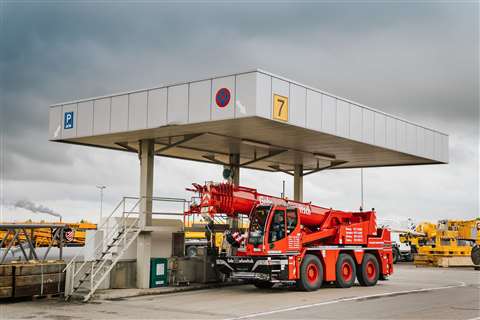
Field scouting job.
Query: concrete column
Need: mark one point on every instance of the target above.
(146, 154)
(298, 183)
(234, 161)
(146, 181)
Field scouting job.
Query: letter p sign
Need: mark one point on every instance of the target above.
(68, 120)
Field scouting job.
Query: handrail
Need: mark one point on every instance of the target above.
(108, 236)
(74, 259)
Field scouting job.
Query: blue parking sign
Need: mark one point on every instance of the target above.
(68, 120)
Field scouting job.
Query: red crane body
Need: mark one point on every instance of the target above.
(225, 198)
(289, 240)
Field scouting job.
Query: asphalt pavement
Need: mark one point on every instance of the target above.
(411, 293)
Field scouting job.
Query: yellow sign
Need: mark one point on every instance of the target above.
(280, 107)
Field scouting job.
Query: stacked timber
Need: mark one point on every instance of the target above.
(32, 279)
(6, 280)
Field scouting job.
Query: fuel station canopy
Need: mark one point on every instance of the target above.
(271, 122)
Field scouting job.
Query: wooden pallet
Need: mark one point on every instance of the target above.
(443, 261)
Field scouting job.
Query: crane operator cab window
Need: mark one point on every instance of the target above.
(291, 220)
(257, 225)
(277, 226)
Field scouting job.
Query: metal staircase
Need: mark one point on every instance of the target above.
(119, 232)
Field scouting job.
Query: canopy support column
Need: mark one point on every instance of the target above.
(234, 161)
(144, 243)
(298, 183)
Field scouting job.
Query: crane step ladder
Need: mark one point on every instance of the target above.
(119, 232)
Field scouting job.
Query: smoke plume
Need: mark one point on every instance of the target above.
(28, 205)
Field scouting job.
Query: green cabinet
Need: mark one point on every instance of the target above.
(158, 272)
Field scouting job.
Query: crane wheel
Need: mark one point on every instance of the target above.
(345, 271)
(475, 255)
(263, 284)
(311, 273)
(369, 271)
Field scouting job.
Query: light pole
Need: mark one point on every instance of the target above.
(101, 201)
(361, 189)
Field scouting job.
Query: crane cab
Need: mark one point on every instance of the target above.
(273, 230)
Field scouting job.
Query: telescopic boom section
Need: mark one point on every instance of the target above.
(225, 198)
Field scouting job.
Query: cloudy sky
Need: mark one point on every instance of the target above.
(417, 60)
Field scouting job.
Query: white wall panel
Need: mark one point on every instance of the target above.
(227, 112)
(314, 110)
(298, 101)
(343, 118)
(401, 136)
(380, 129)
(101, 116)
(264, 95)
(55, 123)
(441, 147)
(157, 108)
(391, 133)
(411, 138)
(355, 122)
(429, 144)
(445, 153)
(368, 126)
(245, 95)
(119, 114)
(329, 114)
(421, 141)
(199, 101)
(137, 111)
(85, 119)
(177, 109)
(438, 149)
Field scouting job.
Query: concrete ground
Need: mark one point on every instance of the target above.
(412, 293)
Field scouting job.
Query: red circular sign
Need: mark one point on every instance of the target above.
(222, 98)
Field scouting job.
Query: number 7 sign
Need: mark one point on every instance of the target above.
(280, 107)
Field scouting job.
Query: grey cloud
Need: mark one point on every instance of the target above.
(416, 60)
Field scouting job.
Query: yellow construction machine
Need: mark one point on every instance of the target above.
(449, 242)
(74, 235)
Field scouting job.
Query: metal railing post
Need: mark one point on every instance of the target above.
(91, 277)
(72, 286)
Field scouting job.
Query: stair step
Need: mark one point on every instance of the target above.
(81, 290)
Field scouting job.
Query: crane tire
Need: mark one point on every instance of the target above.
(368, 272)
(311, 273)
(345, 271)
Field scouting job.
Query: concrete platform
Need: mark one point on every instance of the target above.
(117, 294)
(411, 293)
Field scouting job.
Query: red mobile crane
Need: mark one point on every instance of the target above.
(295, 242)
